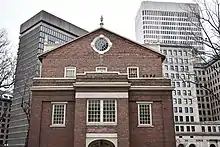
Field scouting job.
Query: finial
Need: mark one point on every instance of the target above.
(101, 21)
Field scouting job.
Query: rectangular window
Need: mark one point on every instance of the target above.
(101, 111)
(176, 118)
(133, 72)
(191, 109)
(101, 69)
(58, 113)
(192, 118)
(180, 110)
(177, 128)
(179, 101)
(186, 110)
(182, 128)
(70, 72)
(181, 118)
(187, 118)
(144, 114)
(188, 128)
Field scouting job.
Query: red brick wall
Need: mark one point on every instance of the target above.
(81, 55)
(129, 134)
(122, 54)
(162, 132)
(41, 134)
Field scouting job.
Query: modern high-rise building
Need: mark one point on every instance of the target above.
(208, 89)
(167, 25)
(5, 108)
(41, 28)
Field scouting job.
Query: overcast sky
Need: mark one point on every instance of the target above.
(118, 15)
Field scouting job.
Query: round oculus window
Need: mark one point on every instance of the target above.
(101, 44)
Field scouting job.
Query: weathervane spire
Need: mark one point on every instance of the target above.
(101, 21)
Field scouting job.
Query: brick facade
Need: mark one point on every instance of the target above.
(124, 53)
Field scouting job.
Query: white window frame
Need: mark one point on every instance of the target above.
(70, 68)
(137, 71)
(151, 117)
(101, 113)
(101, 67)
(52, 120)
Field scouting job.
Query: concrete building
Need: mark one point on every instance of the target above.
(5, 108)
(34, 33)
(105, 91)
(166, 25)
(208, 88)
(206, 134)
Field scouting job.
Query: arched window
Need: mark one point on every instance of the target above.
(101, 143)
(192, 145)
(212, 145)
(180, 145)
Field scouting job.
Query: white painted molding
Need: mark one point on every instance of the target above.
(52, 78)
(59, 102)
(143, 102)
(101, 135)
(102, 84)
(52, 88)
(114, 95)
(108, 72)
(151, 88)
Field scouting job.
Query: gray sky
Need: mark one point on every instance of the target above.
(118, 15)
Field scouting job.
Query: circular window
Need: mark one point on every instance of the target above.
(101, 44)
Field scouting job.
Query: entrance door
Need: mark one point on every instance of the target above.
(101, 143)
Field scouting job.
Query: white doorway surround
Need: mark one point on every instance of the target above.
(110, 137)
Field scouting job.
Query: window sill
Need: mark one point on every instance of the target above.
(101, 124)
(57, 126)
(145, 126)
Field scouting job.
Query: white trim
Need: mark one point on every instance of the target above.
(94, 72)
(70, 68)
(102, 95)
(137, 71)
(105, 69)
(143, 102)
(145, 125)
(51, 78)
(101, 115)
(59, 102)
(102, 84)
(112, 137)
(52, 88)
(64, 117)
(98, 37)
(151, 88)
(100, 135)
(89, 72)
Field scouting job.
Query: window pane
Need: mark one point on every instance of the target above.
(70, 72)
(108, 110)
(144, 114)
(58, 114)
(132, 72)
(94, 111)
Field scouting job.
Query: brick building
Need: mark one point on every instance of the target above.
(101, 90)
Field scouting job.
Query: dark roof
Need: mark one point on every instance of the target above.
(52, 20)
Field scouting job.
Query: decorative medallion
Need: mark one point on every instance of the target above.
(101, 44)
